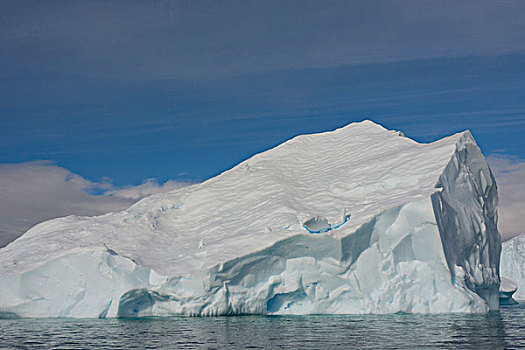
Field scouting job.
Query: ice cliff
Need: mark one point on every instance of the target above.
(357, 220)
(513, 264)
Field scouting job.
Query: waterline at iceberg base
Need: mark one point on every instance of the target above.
(357, 220)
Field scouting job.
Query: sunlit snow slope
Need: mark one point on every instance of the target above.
(403, 227)
(513, 264)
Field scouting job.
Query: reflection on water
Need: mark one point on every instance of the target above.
(504, 329)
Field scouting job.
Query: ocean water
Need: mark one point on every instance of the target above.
(503, 329)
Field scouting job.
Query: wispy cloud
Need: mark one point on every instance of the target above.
(33, 192)
(510, 177)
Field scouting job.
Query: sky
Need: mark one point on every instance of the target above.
(104, 102)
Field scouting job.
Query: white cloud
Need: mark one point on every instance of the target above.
(510, 177)
(36, 191)
(149, 187)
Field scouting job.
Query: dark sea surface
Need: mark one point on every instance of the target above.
(504, 329)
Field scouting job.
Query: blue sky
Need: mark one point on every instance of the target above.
(183, 90)
(133, 130)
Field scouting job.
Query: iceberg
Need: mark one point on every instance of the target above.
(357, 220)
(513, 264)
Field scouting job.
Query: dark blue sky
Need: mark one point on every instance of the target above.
(185, 90)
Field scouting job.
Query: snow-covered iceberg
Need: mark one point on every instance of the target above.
(513, 264)
(357, 220)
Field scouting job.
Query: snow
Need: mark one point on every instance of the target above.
(513, 264)
(357, 220)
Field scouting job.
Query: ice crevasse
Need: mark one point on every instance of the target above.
(356, 220)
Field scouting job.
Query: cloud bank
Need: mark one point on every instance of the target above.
(510, 177)
(37, 191)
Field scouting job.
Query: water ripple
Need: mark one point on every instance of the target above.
(504, 329)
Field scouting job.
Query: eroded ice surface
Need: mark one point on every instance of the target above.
(402, 227)
(513, 264)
